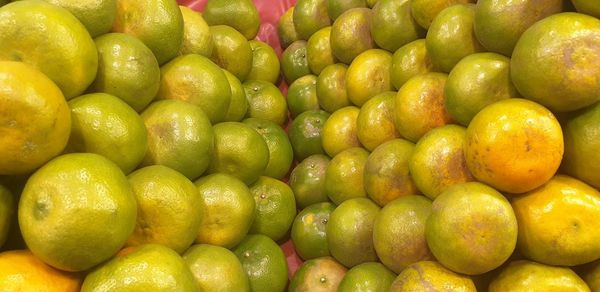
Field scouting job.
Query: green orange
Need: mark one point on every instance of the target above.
(307, 180)
(281, 154)
(331, 88)
(285, 28)
(265, 63)
(310, 16)
(231, 51)
(410, 60)
(265, 101)
(340, 131)
(375, 122)
(197, 38)
(370, 276)
(240, 14)
(302, 95)
(216, 269)
(351, 34)
(321, 275)
(309, 231)
(264, 263)
(294, 62)
(393, 24)
(318, 50)
(305, 134)
(345, 174)
(275, 207)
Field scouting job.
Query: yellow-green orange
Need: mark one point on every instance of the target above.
(370, 276)
(375, 122)
(368, 75)
(310, 16)
(589, 7)
(335, 8)
(264, 263)
(231, 51)
(238, 104)
(305, 134)
(393, 24)
(197, 38)
(240, 14)
(265, 101)
(351, 34)
(318, 50)
(97, 16)
(7, 203)
(216, 269)
(281, 154)
(340, 131)
(302, 95)
(265, 63)
(531, 276)
(331, 88)
(285, 28)
(410, 60)
(319, 275)
(309, 231)
(344, 177)
(275, 207)
(591, 276)
(431, 275)
(294, 62)
(425, 11)
(307, 180)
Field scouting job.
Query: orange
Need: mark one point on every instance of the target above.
(294, 62)
(180, 137)
(305, 134)
(531, 276)
(460, 239)
(393, 24)
(157, 23)
(7, 211)
(386, 174)
(195, 79)
(399, 232)
(50, 39)
(337, 7)
(371, 276)
(556, 222)
(375, 122)
(216, 269)
(331, 88)
(425, 11)
(322, 274)
(438, 160)
(239, 151)
(340, 131)
(368, 75)
(307, 180)
(97, 16)
(318, 50)
(169, 208)
(371, 3)
(310, 16)
(309, 231)
(590, 275)
(34, 117)
(239, 14)
(275, 208)
(419, 106)
(281, 154)
(238, 104)
(344, 177)
(351, 34)
(227, 209)
(264, 263)
(476, 81)
(63, 227)
(302, 95)
(265, 101)
(134, 81)
(197, 38)
(431, 275)
(565, 48)
(285, 28)
(265, 63)
(104, 124)
(410, 60)
(350, 232)
(149, 267)
(514, 145)
(231, 51)
(587, 7)
(20, 270)
(499, 24)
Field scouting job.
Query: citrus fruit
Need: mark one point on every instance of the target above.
(331, 88)
(371, 3)
(393, 24)
(431, 275)
(264, 263)
(452, 28)
(307, 180)
(591, 277)
(169, 208)
(302, 95)
(231, 51)
(286, 31)
(368, 75)
(386, 172)
(103, 124)
(216, 269)
(265, 101)
(7, 204)
(476, 81)
(351, 34)
(399, 232)
(320, 275)
(587, 6)
(425, 11)
(335, 8)
(305, 134)
(525, 275)
(514, 145)
(294, 62)
(370, 276)
(350, 232)
(239, 14)
(310, 16)
(197, 38)
(565, 48)
(275, 207)
(419, 106)
(180, 137)
(265, 63)
(50, 39)
(318, 50)
(97, 16)
(157, 23)
(149, 267)
(556, 225)
(309, 230)
(580, 136)
(35, 121)
(472, 228)
(195, 79)
(63, 227)
(410, 60)
(498, 25)
(239, 151)
(238, 103)
(438, 160)
(344, 177)
(127, 69)
(22, 271)
(228, 210)
(375, 122)
(281, 154)
(340, 131)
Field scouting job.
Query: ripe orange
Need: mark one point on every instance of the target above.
(340, 131)
(375, 123)
(529, 276)
(197, 38)
(368, 75)
(431, 275)
(318, 50)
(351, 34)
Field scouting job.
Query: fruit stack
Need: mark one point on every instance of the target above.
(422, 145)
